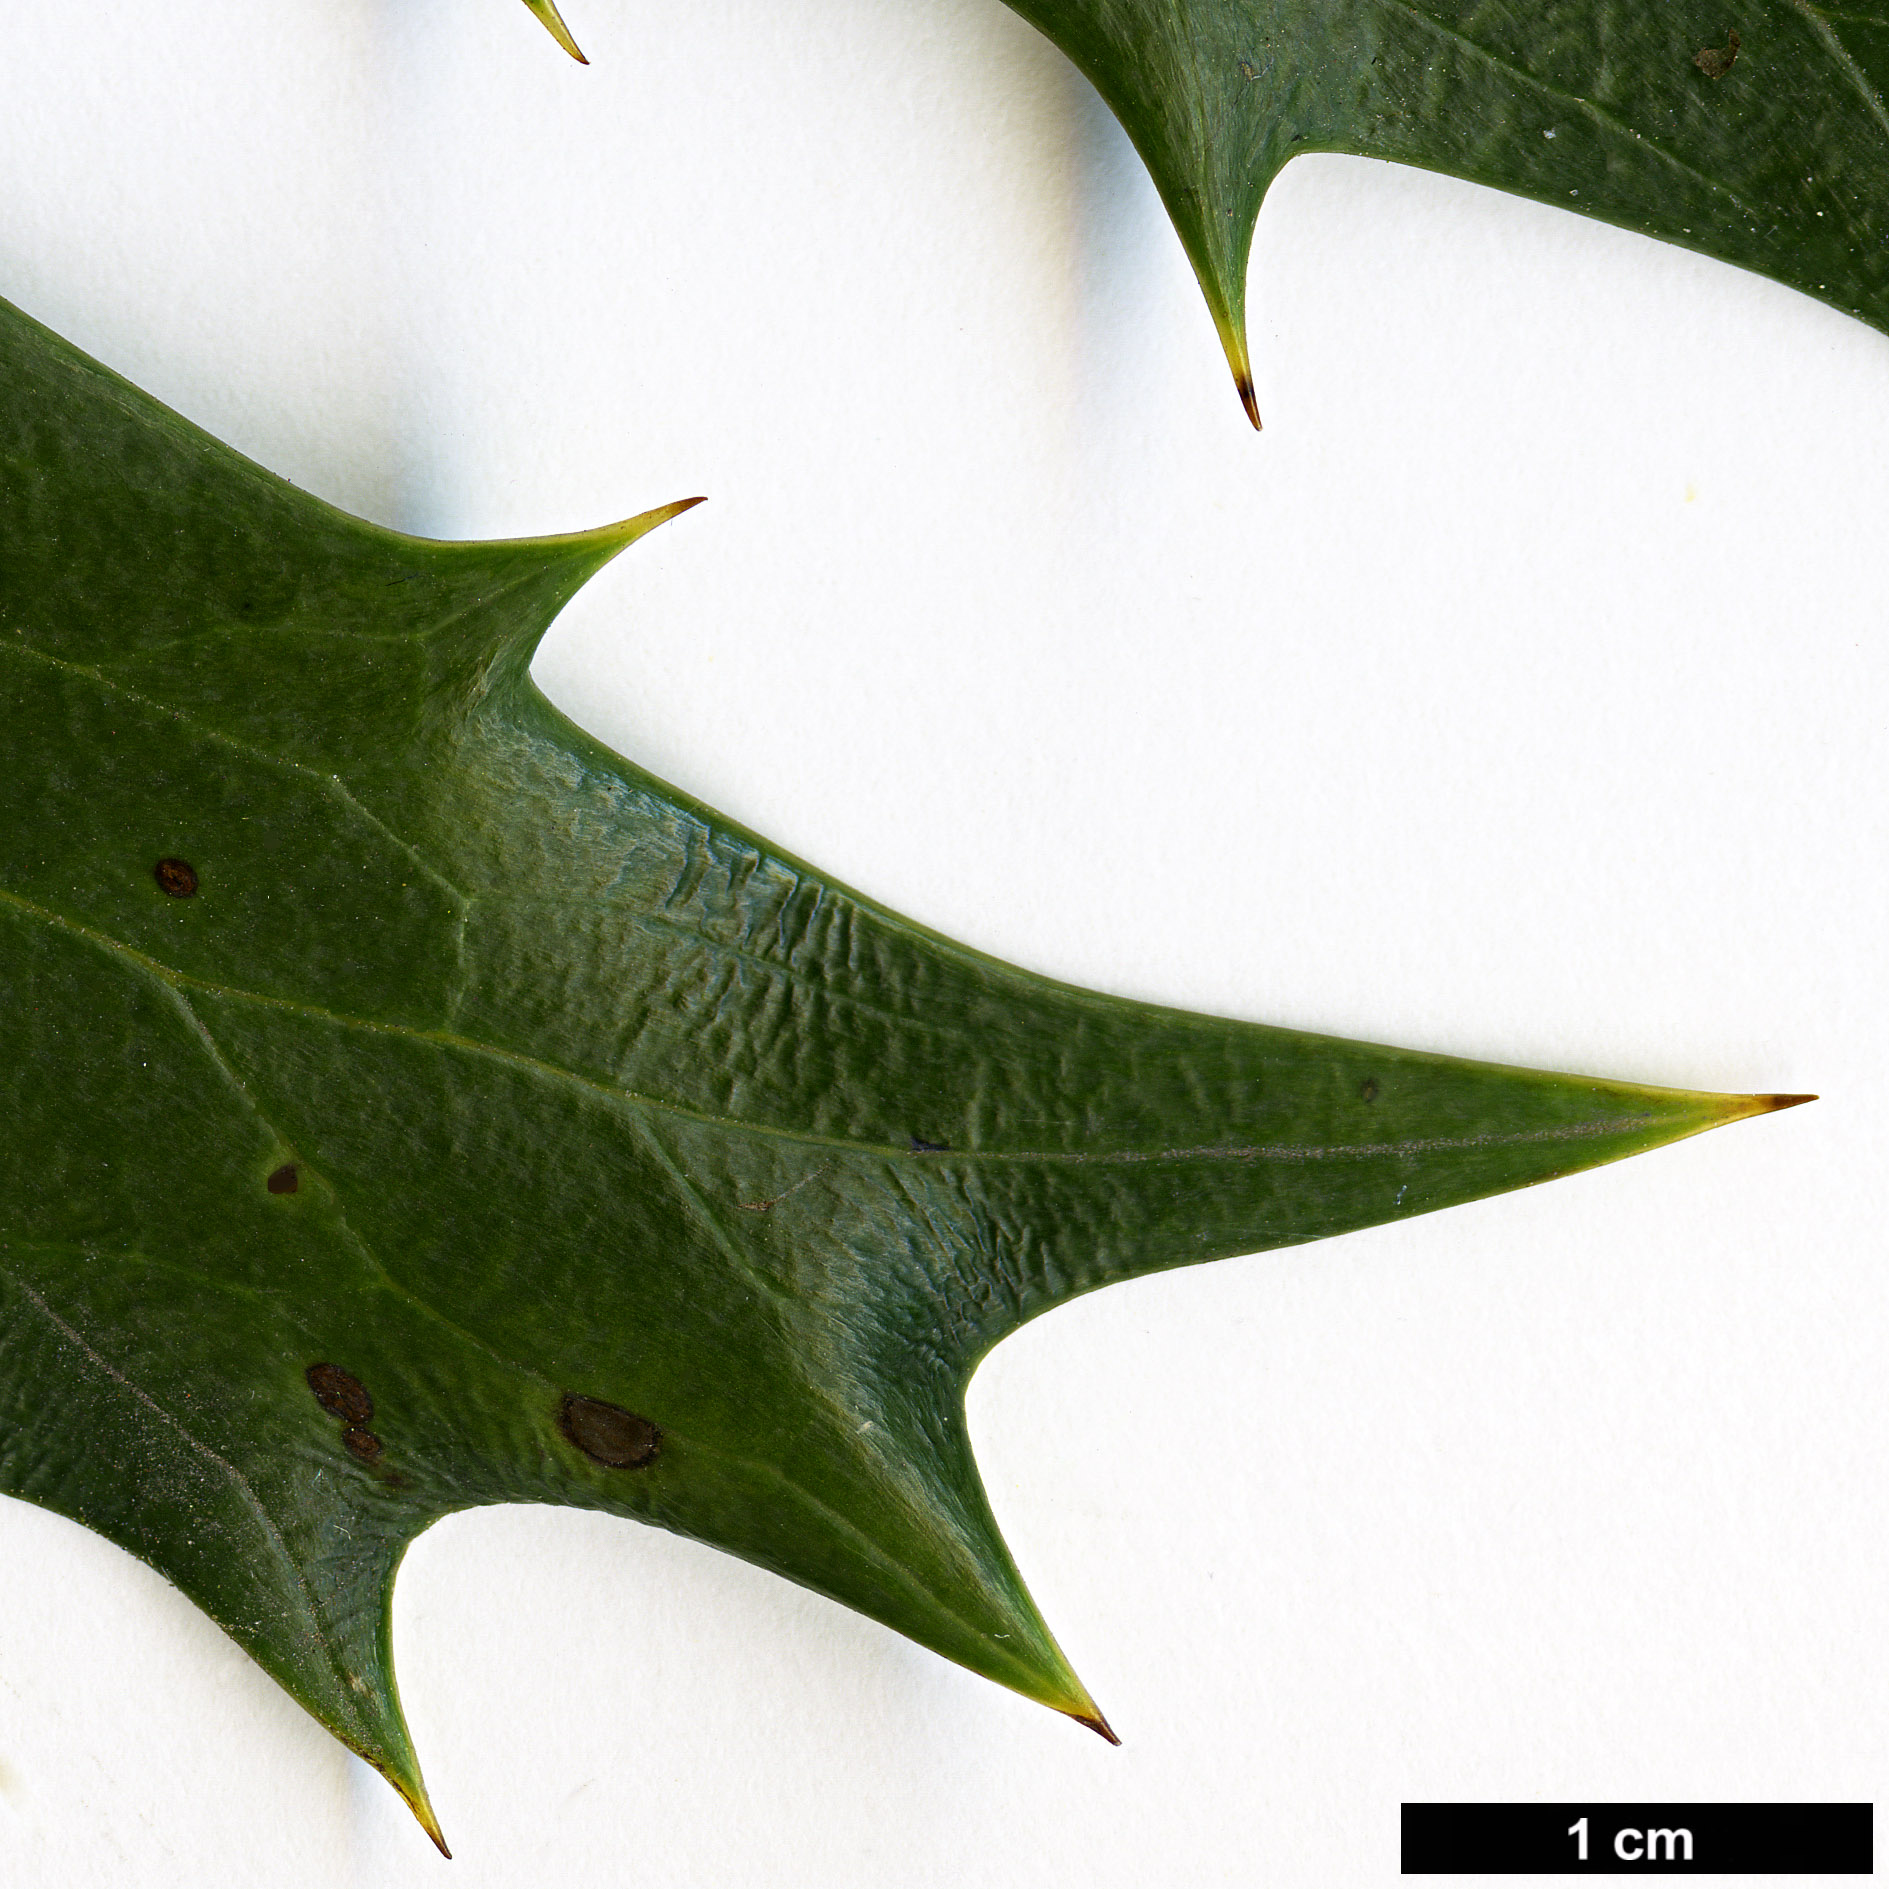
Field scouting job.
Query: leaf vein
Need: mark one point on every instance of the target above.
(331, 784)
(1819, 23)
(271, 1529)
(1605, 119)
(1258, 1151)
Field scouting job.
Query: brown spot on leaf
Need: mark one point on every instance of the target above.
(1716, 61)
(1369, 1091)
(341, 1394)
(617, 1438)
(176, 878)
(284, 1180)
(362, 1443)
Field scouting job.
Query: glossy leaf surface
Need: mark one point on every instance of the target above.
(1759, 135)
(408, 1104)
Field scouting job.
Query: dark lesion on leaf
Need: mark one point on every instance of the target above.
(342, 1395)
(1369, 1091)
(921, 1146)
(285, 1179)
(176, 878)
(607, 1433)
(363, 1444)
(1716, 61)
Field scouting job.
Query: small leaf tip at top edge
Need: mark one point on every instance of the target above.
(553, 21)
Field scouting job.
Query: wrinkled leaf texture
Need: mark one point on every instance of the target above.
(1756, 132)
(407, 1104)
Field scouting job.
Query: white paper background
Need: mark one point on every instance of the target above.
(1520, 693)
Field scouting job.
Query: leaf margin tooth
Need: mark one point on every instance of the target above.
(553, 22)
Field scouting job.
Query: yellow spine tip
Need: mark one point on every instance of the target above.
(1095, 1722)
(1742, 1107)
(407, 1782)
(553, 21)
(1232, 328)
(625, 532)
(428, 1822)
(1244, 382)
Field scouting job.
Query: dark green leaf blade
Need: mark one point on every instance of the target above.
(1772, 152)
(1758, 134)
(409, 1104)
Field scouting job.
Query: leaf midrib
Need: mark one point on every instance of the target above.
(176, 981)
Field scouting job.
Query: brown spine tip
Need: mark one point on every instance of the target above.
(1097, 1724)
(430, 1824)
(1248, 399)
(1741, 1108)
(546, 10)
(413, 1795)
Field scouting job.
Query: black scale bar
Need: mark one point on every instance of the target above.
(1638, 1839)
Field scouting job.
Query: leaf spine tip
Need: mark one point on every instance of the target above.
(1096, 1723)
(1248, 399)
(1230, 320)
(610, 539)
(634, 528)
(546, 10)
(620, 536)
(423, 1810)
(407, 1781)
(1740, 1108)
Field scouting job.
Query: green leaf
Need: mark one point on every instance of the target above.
(409, 1104)
(546, 10)
(1758, 133)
